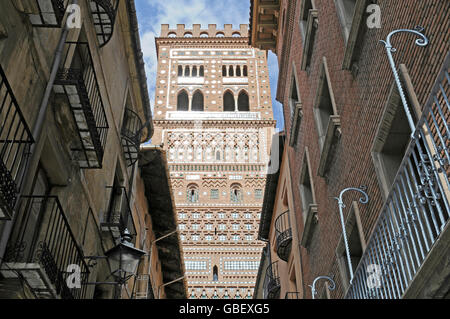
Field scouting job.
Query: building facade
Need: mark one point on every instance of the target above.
(374, 138)
(213, 116)
(74, 108)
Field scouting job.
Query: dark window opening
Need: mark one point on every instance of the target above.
(228, 102)
(243, 102)
(197, 101)
(183, 101)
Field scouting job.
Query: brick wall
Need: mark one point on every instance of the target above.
(360, 101)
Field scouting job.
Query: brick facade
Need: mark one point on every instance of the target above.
(360, 96)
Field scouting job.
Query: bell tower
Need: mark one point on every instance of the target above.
(213, 116)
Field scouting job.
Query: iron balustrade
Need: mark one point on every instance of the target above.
(42, 235)
(79, 83)
(292, 295)
(104, 16)
(15, 142)
(119, 216)
(131, 136)
(416, 211)
(283, 236)
(271, 286)
(47, 13)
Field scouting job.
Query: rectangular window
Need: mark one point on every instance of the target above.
(308, 199)
(391, 141)
(356, 243)
(258, 193)
(306, 5)
(327, 121)
(345, 11)
(214, 193)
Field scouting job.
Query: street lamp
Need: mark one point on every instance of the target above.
(124, 259)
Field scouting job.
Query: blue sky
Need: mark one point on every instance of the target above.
(153, 13)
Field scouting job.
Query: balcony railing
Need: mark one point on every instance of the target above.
(42, 247)
(47, 13)
(131, 136)
(79, 83)
(292, 295)
(15, 143)
(417, 208)
(271, 284)
(104, 16)
(119, 216)
(283, 233)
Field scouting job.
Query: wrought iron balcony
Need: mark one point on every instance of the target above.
(119, 216)
(104, 16)
(283, 235)
(131, 136)
(42, 247)
(292, 295)
(47, 13)
(79, 83)
(271, 284)
(416, 211)
(15, 143)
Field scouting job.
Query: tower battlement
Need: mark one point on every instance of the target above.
(197, 32)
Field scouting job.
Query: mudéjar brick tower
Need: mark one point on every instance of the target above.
(213, 116)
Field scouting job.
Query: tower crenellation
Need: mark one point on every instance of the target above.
(211, 32)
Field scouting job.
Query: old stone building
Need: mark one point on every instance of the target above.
(213, 116)
(77, 210)
(367, 139)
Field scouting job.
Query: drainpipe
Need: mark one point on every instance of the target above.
(37, 132)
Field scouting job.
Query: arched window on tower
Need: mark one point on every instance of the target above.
(197, 101)
(215, 274)
(182, 101)
(238, 70)
(228, 102)
(202, 71)
(224, 70)
(194, 71)
(192, 193)
(245, 70)
(236, 193)
(218, 155)
(243, 102)
(180, 70)
(231, 71)
(187, 71)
